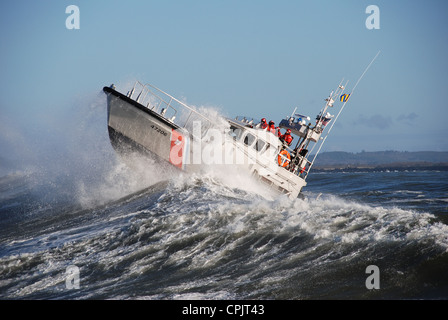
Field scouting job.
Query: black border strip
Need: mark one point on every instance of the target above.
(134, 103)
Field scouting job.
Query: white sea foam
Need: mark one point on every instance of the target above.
(219, 221)
(332, 218)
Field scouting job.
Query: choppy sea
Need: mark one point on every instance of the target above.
(86, 226)
(194, 237)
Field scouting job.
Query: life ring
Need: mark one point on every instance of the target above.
(282, 162)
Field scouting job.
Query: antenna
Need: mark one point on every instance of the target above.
(335, 119)
(292, 115)
(356, 84)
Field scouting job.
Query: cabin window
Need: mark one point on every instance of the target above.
(259, 145)
(270, 151)
(249, 139)
(235, 132)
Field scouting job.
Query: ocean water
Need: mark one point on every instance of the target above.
(196, 237)
(76, 222)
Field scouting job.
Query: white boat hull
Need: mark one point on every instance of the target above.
(133, 126)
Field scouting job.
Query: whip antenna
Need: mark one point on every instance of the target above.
(356, 84)
(337, 116)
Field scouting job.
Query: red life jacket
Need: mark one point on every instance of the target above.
(287, 138)
(279, 133)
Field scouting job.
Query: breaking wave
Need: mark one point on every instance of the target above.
(153, 233)
(196, 237)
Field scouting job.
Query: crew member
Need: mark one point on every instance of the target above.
(279, 133)
(263, 124)
(272, 127)
(287, 137)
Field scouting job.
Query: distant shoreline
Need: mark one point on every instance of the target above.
(385, 167)
(381, 161)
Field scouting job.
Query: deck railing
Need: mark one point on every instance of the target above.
(169, 107)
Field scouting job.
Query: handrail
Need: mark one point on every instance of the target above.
(154, 98)
(182, 104)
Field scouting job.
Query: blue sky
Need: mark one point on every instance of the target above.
(256, 58)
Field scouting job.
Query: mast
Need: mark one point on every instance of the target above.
(337, 116)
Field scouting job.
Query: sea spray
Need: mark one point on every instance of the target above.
(212, 234)
(197, 237)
